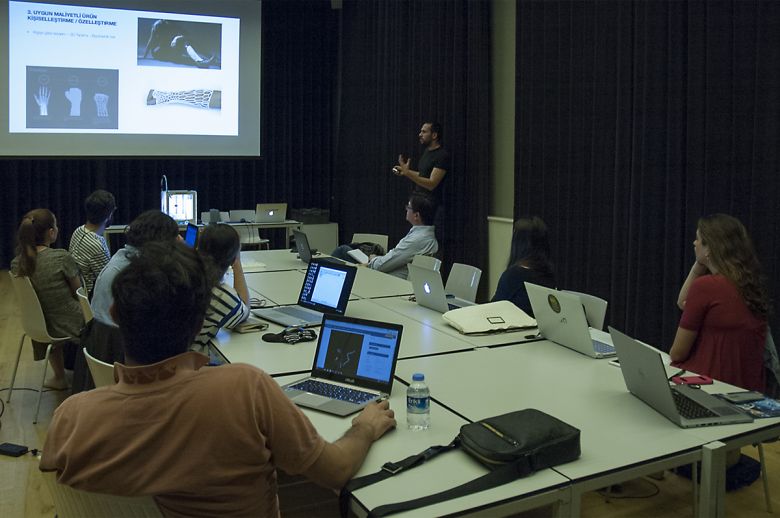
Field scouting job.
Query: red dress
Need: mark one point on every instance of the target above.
(730, 340)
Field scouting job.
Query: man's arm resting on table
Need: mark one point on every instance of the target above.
(340, 460)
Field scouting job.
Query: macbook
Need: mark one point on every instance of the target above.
(561, 319)
(242, 216)
(429, 290)
(306, 253)
(326, 289)
(353, 366)
(645, 376)
(271, 213)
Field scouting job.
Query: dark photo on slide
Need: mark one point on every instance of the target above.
(344, 353)
(72, 98)
(176, 43)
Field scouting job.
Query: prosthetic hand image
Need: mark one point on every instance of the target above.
(101, 103)
(74, 96)
(42, 98)
(168, 41)
(198, 98)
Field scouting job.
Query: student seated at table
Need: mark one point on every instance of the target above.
(101, 336)
(203, 441)
(421, 239)
(529, 261)
(55, 277)
(87, 244)
(220, 247)
(722, 331)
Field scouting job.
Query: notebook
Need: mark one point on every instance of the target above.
(191, 235)
(353, 366)
(561, 319)
(645, 376)
(271, 212)
(306, 253)
(429, 290)
(242, 216)
(326, 289)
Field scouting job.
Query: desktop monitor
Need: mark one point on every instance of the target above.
(182, 206)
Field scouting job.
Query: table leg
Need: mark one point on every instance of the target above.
(713, 481)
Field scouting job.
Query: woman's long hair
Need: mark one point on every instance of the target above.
(530, 245)
(733, 256)
(32, 232)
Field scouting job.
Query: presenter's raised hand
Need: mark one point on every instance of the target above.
(74, 96)
(402, 169)
(42, 98)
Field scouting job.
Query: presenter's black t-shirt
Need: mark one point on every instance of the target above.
(440, 158)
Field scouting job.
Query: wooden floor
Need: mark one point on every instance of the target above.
(22, 494)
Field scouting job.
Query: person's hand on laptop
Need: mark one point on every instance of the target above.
(378, 417)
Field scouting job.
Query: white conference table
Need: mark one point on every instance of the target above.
(445, 471)
(621, 436)
(270, 260)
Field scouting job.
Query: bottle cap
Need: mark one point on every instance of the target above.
(418, 376)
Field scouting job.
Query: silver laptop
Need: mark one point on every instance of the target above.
(306, 253)
(326, 289)
(645, 376)
(353, 366)
(561, 319)
(429, 290)
(271, 212)
(242, 216)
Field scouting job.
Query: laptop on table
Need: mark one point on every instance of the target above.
(354, 365)
(429, 290)
(645, 376)
(561, 319)
(306, 253)
(326, 289)
(191, 235)
(271, 213)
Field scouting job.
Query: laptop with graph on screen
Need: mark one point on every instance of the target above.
(326, 289)
(354, 365)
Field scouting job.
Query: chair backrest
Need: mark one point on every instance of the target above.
(33, 321)
(86, 309)
(463, 281)
(102, 372)
(379, 239)
(427, 261)
(595, 308)
(74, 503)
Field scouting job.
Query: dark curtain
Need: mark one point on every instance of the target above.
(634, 119)
(405, 63)
(299, 69)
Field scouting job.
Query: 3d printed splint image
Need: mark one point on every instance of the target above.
(198, 98)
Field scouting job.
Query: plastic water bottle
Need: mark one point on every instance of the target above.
(418, 404)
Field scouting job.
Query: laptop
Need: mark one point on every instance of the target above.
(191, 235)
(645, 376)
(271, 213)
(429, 290)
(242, 216)
(326, 289)
(306, 253)
(353, 366)
(561, 319)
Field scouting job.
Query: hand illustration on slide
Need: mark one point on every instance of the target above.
(74, 96)
(101, 103)
(42, 98)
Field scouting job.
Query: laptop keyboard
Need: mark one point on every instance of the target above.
(602, 348)
(300, 313)
(689, 408)
(334, 391)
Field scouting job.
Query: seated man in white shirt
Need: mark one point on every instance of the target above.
(203, 441)
(421, 239)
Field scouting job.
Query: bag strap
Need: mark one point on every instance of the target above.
(390, 469)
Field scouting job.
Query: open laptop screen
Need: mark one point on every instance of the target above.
(191, 235)
(327, 287)
(357, 351)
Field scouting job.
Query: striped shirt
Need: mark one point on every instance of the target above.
(91, 254)
(225, 310)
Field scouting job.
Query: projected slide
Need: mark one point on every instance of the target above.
(79, 69)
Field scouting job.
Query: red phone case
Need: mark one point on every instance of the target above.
(692, 380)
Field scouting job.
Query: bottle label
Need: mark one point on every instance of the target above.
(417, 405)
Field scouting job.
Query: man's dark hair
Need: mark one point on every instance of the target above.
(436, 128)
(425, 205)
(219, 245)
(151, 225)
(160, 300)
(99, 205)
